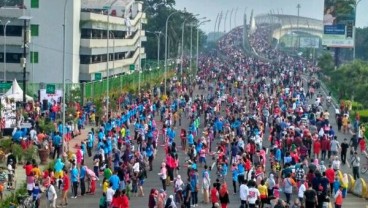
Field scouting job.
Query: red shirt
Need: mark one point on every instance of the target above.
(317, 147)
(214, 197)
(28, 169)
(66, 183)
(330, 175)
(124, 201)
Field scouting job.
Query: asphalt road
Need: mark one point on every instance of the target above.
(153, 180)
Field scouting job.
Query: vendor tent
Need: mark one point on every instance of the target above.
(16, 93)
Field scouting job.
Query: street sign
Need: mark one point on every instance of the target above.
(5, 86)
(106, 7)
(131, 67)
(98, 76)
(50, 89)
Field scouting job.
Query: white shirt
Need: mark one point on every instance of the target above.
(51, 193)
(336, 164)
(301, 190)
(33, 134)
(136, 167)
(253, 195)
(109, 194)
(243, 192)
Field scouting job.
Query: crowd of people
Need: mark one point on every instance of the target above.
(241, 121)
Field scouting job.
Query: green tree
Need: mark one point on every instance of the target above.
(326, 63)
(361, 41)
(157, 12)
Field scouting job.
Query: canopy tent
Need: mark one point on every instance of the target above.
(16, 93)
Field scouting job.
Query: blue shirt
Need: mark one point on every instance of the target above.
(114, 180)
(56, 140)
(190, 139)
(74, 175)
(90, 140)
(83, 172)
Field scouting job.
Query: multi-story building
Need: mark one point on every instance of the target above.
(88, 23)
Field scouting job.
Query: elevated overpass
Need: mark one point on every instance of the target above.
(286, 24)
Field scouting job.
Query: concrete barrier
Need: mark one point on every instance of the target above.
(359, 188)
(351, 183)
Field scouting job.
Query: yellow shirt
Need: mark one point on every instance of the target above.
(105, 186)
(263, 190)
(122, 131)
(93, 117)
(37, 172)
(345, 121)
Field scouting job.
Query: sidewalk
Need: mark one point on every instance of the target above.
(71, 145)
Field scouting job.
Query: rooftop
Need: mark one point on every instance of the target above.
(100, 4)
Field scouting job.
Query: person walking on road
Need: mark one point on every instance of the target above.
(66, 186)
(339, 198)
(355, 163)
(51, 195)
(310, 195)
(74, 174)
(344, 150)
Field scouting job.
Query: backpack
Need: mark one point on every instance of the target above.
(188, 187)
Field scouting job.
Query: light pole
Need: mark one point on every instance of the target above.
(227, 11)
(235, 16)
(231, 16)
(191, 44)
(64, 71)
(166, 26)
(214, 29)
(182, 48)
(198, 42)
(158, 36)
(297, 24)
(113, 49)
(139, 47)
(108, 59)
(4, 28)
(24, 58)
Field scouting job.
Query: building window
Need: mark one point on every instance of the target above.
(35, 3)
(34, 30)
(34, 57)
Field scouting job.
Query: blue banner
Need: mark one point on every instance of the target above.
(334, 29)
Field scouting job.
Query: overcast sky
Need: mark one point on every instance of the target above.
(309, 8)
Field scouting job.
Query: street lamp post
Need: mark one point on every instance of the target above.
(182, 48)
(166, 26)
(198, 42)
(24, 59)
(140, 45)
(4, 30)
(108, 59)
(227, 11)
(231, 16)
(235, 16)
(158, 36)
(64, 76)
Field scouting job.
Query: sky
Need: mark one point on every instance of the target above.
(309, 8)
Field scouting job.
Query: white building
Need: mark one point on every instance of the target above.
(86, 29)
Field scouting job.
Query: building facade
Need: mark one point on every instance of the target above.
(87, 24)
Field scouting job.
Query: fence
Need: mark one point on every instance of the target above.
(123, 82)
(86, 91)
